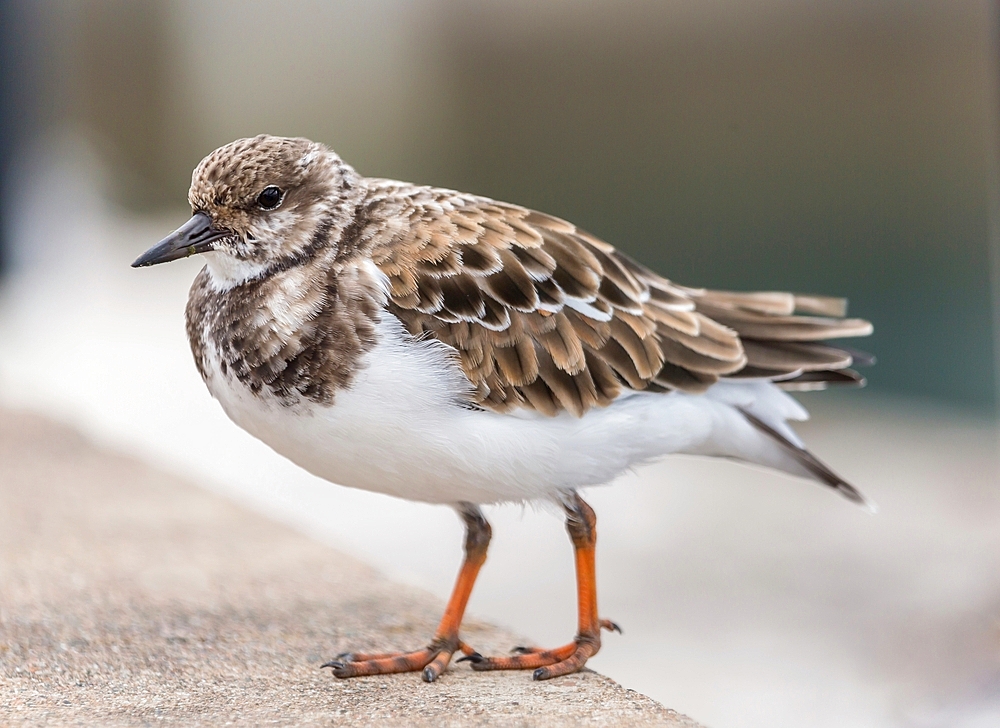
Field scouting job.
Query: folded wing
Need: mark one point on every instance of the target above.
(546, 316)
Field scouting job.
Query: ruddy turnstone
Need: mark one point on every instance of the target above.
(449, 348)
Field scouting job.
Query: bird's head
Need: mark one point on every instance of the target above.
(258, 205)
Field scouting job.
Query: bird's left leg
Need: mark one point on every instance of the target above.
(434, 658)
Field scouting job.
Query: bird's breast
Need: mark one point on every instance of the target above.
(294, 337)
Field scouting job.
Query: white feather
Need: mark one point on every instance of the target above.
(578, 304)
(228, 271)
(400, 429)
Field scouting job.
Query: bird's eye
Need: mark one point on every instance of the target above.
(269, 198)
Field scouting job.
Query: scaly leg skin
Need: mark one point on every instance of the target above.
(582, 526)
(433, 659)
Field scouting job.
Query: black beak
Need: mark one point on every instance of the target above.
(194, 236)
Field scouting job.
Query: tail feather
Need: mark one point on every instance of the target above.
(811, 463)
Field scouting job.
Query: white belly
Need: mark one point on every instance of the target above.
(400, 429)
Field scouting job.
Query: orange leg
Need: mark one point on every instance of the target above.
(582, 526)
(434, 658)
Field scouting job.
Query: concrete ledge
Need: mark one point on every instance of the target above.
(128, 597)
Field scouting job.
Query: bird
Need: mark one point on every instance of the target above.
(454, 349)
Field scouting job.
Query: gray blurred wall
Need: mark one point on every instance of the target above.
(835, 147)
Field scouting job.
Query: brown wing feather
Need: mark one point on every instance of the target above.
(546, 316)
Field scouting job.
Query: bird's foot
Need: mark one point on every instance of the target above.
(430, 661)
(546, 663)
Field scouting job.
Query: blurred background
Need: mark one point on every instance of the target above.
(827, 146)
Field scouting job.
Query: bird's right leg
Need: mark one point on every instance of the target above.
(434, 658)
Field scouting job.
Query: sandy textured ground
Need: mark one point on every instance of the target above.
(130, 598)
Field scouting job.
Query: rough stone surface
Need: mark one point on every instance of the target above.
(128, 598)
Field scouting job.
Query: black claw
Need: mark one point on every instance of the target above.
(520, 650)
(428, 674)
(616, 628)
(334, 664)
(539, 674)
(475, 658)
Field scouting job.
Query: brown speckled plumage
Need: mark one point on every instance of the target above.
(319, 354)
(540, 313)
(493, 281)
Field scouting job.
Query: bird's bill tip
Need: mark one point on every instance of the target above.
(162, 252)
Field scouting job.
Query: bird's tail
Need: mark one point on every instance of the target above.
(810, 463)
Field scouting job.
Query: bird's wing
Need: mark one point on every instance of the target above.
(546, 316)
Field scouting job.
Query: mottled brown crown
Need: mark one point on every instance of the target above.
(234, 174)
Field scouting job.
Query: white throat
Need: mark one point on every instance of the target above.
(227, 271)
